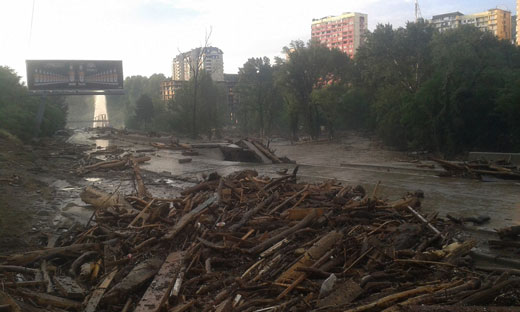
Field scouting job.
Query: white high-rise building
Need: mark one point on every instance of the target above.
(211, 60)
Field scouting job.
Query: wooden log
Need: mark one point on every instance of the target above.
(509, 262)
(19, 269)
(487, 295)
(199, 187)
(101, 199)
(312, 255)
(46, 277)
(390, 299)
(187, 218)
(184, 160)
(266, 152)
(289, 199)
(460, 251)
(182, 307)
(499, 269)
(49, 300)
(297, 214)
(110, 164)
(268, 243)
(9, 304)
(31, 256)
(423, 220)
(246, 216)
(457, 308)
(157, 294)
(86, 256)
(449, 165)
(139, 275)
(141, 188)
(509, 232)
(143, 216)
(98, 293)
(69, 288)
(429, 298)
(24, 284)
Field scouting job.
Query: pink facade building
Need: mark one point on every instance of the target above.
(344, 32)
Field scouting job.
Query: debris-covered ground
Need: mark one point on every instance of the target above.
(250, 243)
(237, 240)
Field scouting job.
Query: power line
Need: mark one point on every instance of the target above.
(32, 19)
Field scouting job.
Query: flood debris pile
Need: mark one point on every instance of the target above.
(480, 169)
(250, 243)
(122, 162)
(252, 150)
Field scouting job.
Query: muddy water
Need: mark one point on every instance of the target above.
(365, 163)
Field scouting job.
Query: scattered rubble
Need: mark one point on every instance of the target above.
(480, 169)
(250, 243)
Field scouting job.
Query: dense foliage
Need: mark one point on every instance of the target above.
(413, 86)
(18, 108)
(122, 108)
(211, 110)
(444, 92)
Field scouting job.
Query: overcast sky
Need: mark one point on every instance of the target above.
(147, 34)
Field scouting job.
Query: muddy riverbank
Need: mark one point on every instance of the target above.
(44, 199)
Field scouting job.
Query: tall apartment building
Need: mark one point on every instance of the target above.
(344, 32)
(212, 62)
(517, 22)
(497, 21)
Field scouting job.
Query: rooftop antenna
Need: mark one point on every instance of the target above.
(418, 14)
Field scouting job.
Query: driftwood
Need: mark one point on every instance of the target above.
(157, 294)
(101, 199)
(141, 188)
(139, 275)
(264, 245)
(98, 293)
(326, 247)
(49, 300)
(187, 218)
(31, 256)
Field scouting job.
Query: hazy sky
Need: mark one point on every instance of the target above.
(147, 34)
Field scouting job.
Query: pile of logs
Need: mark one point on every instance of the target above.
(480, 169)
(120, 163)
(250, 243)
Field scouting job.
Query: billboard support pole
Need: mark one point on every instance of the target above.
(39, 117)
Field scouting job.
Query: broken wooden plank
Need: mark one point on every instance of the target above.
(31, 256)
(139, 275)
(69, 288)
(98, 293)
(268, 243)
(46, 299)
(157, 293)
(187, 218)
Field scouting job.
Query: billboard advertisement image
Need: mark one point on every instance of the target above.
(51, 75)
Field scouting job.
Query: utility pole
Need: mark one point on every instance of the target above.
(418, 14)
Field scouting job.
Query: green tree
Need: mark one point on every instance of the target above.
(260, 101)
(458, 105)
(121, 108)
(309, 67)
(391, 66)
(18, 108)
(144, 110)
(211, 106)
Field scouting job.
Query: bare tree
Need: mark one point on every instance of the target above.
(195, 60)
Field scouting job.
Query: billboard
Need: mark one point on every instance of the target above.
(58, 75)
